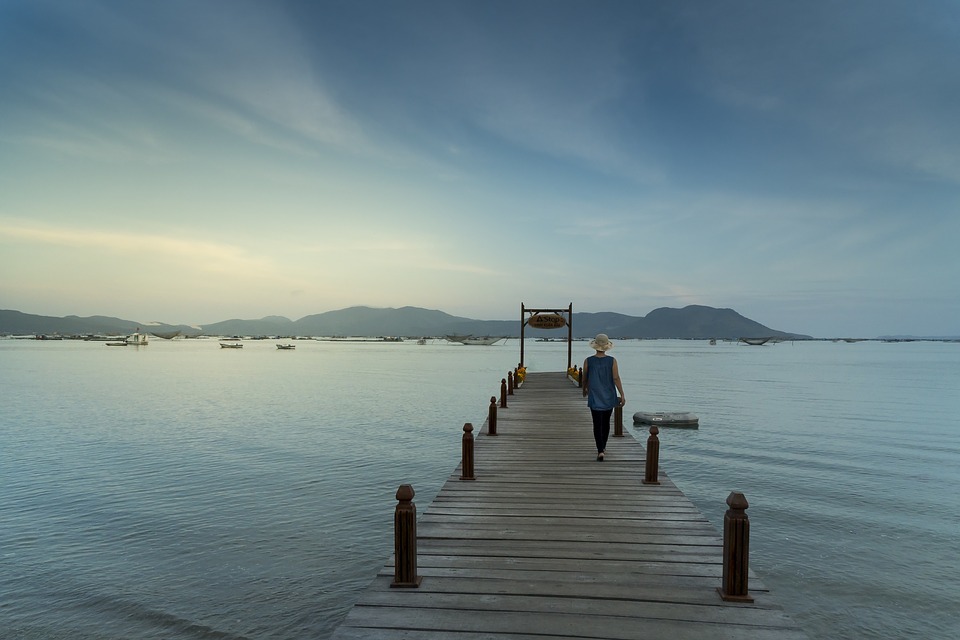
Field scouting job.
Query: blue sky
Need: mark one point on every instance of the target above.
(190, 162)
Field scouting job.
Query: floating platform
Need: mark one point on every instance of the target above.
(680, 419)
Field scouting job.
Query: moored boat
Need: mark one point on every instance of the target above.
(135, 339)
(682, 419)
(755, 341)
(286, 347)
(231, 345)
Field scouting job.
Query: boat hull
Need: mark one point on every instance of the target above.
(680, 419)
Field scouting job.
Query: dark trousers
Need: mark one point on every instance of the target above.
(601, 427)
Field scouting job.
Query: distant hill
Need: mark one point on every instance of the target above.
(16, 323)
(269, 326)
(694, 321)
(367, 321)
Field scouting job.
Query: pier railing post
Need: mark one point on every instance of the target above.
(736, 550)
(618, 421)
(466, 458)
(652, 469)
(492, 417)
(509, 383)
(405, 540)
(503, 393)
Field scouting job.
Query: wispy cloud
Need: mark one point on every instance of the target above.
(208, 257)
(874, 81)
(214, 70)
(85, 117)
(396, 252)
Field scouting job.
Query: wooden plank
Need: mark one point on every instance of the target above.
(548, 542)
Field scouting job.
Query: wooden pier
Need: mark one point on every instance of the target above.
(547, 542)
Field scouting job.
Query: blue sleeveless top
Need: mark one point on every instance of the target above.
(601, 390)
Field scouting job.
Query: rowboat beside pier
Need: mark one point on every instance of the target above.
(667, 419)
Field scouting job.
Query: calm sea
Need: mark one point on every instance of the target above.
(184, 491)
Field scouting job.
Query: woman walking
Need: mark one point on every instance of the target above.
(601, 382)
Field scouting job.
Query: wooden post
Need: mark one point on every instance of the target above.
(736, 550)
(405, 540)
(653, 457)
(466, 457)
(523, 324)
(503, 393)
(618, 421)
(509, 383)
(492, 417)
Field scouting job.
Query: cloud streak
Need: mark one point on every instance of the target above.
(203, 256)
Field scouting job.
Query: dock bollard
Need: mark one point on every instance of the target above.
(618, 421)
(653, 457)
(509, 383)
(492, 417)
(503, 393)
(466, 458)
(405, 540)
(736, 550)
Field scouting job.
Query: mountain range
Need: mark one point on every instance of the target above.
(690, 322)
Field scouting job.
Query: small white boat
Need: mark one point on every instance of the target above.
(286, 347)
(136, 339)
(231, 345)
(681, 419)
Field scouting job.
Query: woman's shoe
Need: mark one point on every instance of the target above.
(600, 456)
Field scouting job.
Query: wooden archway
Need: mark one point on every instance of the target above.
(548, 319)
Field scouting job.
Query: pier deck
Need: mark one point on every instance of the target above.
(549, 543)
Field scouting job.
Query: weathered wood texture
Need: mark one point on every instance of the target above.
(549, 543)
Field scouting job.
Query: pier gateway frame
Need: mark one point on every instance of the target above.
(547, 319)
